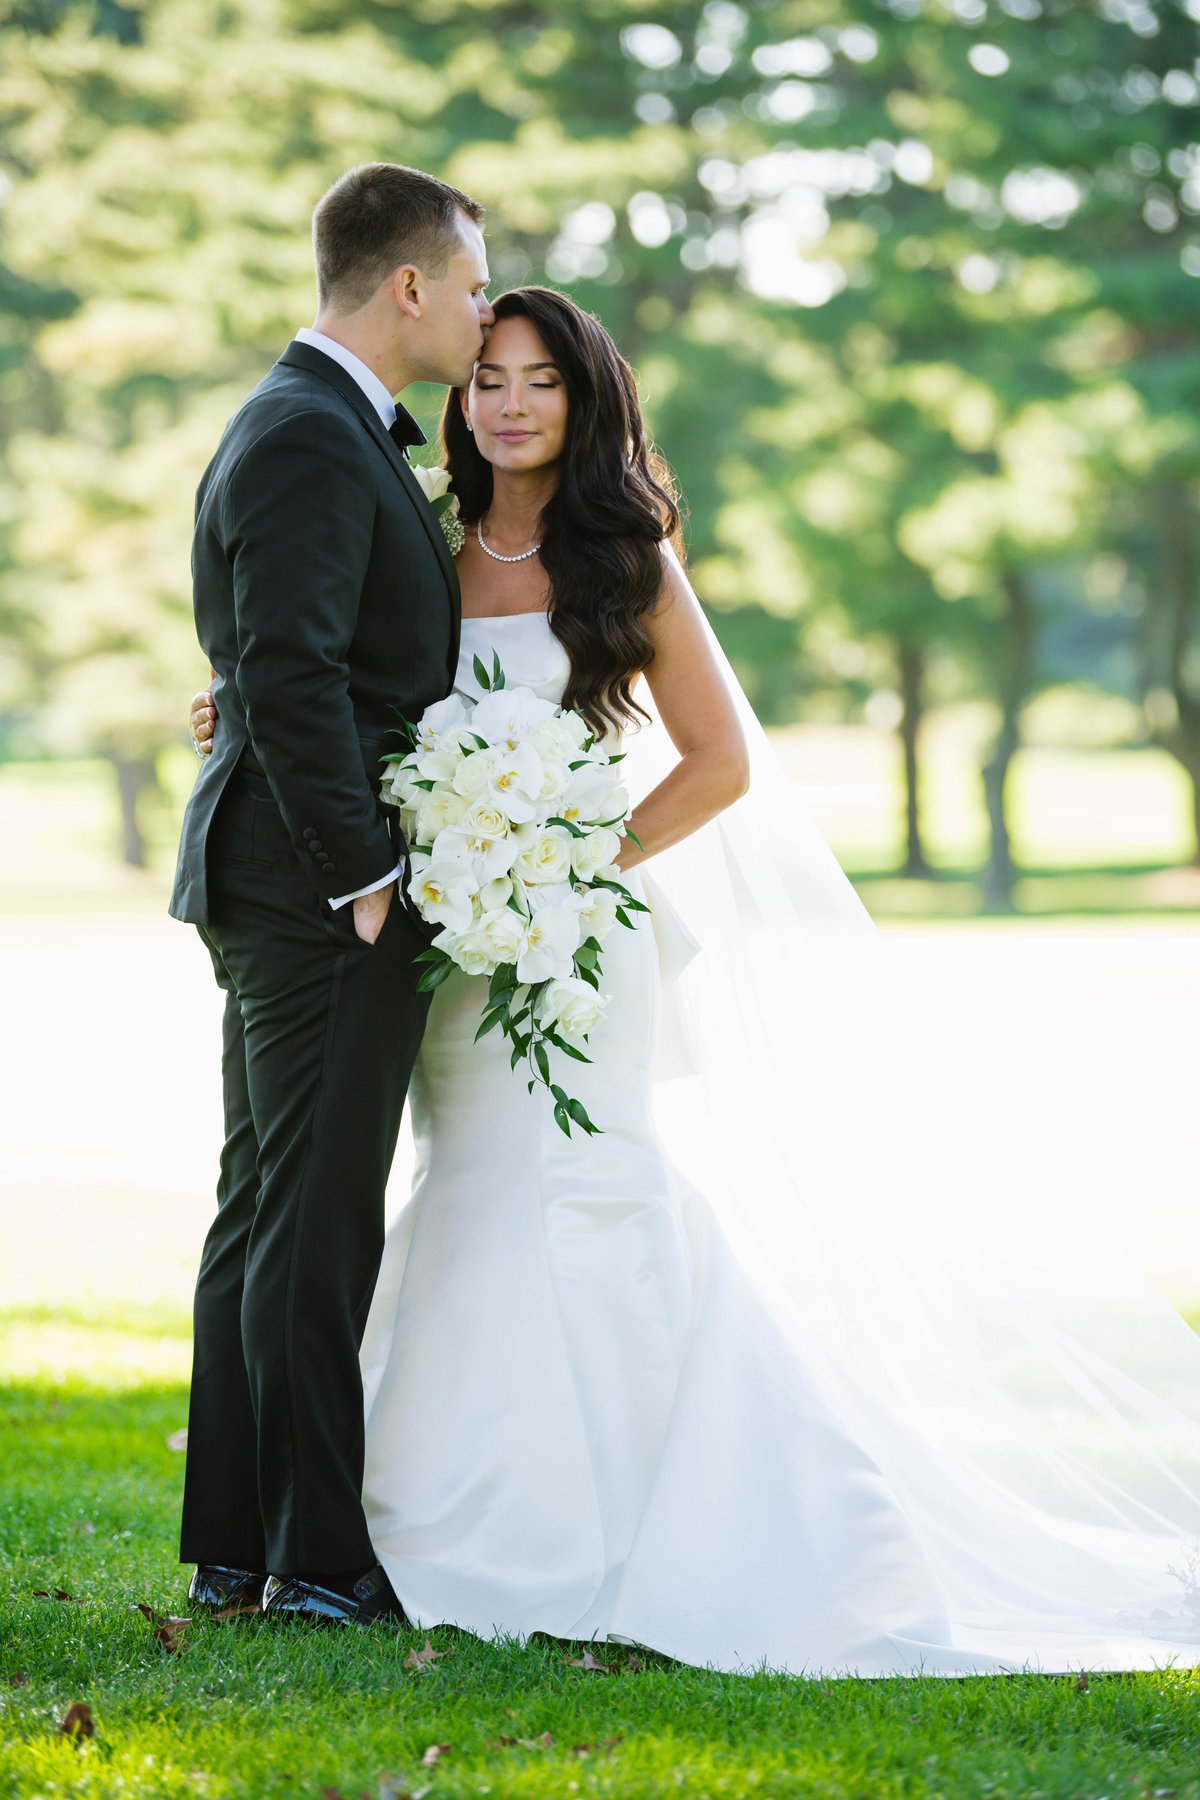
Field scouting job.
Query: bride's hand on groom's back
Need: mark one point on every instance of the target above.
(202, 719)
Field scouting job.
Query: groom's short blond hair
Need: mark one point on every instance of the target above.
(377, 217)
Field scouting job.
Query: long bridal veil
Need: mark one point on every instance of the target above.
(932, 1252)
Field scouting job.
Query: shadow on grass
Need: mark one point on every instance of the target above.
(1102, 891)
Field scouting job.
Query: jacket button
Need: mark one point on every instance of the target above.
(308, 834)
(317, 847)
(328, 866)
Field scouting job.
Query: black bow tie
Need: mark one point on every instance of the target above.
(404, 430)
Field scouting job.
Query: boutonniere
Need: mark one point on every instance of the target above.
(435, 485)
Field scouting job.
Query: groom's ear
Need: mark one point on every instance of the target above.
(408, 289)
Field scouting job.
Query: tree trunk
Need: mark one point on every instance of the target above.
(910, 664)
(1175, 604)
(1015, 668)
(135, 776)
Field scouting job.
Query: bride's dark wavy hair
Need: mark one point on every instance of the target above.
(603, 528)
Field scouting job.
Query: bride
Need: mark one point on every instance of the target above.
(716, 1381)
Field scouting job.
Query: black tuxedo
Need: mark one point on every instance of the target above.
(325, 594)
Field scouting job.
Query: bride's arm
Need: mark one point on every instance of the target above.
(695, 707)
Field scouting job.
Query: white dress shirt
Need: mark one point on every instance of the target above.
(385, 406)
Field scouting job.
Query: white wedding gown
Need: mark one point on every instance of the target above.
(586, 1415)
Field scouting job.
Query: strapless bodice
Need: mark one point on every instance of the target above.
(530, 654)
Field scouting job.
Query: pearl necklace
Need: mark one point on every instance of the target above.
(495, 554)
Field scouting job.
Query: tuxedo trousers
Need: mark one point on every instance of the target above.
(320, 1034)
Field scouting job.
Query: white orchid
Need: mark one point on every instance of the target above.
(516, 782)
(437, 765)
(549, 945)
(440, 722)
(487, 854)
(597, 912)
(444, 893)
(506, 716)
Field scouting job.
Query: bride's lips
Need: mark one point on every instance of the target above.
(515, 437)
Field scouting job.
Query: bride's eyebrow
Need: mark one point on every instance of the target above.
(527, 368)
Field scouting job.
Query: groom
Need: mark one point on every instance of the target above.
(324, 596)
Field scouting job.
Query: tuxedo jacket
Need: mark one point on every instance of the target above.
(325, 595)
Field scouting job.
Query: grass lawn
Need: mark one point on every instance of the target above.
(89, 1495)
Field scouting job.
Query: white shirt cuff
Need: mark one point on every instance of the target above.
(344, 899)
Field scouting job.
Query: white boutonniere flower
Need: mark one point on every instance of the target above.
(435, 485)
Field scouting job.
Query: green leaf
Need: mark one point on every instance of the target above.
(433, 954)
(562, 1120)
(491, 1020)
(422, 783)
(624, 917)
(442, 504)
(619, 757)
(560, 1094)
(517, 907)
(515, 1058)
(585, 957)
(634, 838)
(570, 1050)
(588, 975)
(434, 977)
(482, 676)
(481, 741)
(542, 1059)
(567, 826)
(578, 1112)
(497, 671)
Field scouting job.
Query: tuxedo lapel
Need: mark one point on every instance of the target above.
(315, 362)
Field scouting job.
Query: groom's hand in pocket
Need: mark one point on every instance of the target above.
(370, 910)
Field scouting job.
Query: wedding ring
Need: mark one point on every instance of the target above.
(199, 752)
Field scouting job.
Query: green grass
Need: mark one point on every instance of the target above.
(88, 1503)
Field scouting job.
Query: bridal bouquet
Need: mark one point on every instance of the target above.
(513, 812)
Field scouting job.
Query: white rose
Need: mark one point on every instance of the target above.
(469, 950)
(503, 932)
(573, 1006)
(556, 778)
(552, 738)
(597, 913)
(548, 858)
(508, 715)
(594, 852)
(486, 817)
(433, 482)
(495, 893)
(549, 944)
(437, 809)
(577, 729)
(444, 893)
(474, 772)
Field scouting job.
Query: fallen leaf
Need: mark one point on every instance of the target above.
(586, 1661)
(84, 1527)
(178, 1440)
(18, 1681)
(634, 1666)
(77, 1722)
(605, 1744)
(41, 1593)
(62, 1594)
(434, 1754)
(424, 1659)
(166, 1629)
(1081, 1682)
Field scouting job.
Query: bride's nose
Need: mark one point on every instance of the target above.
(514, 402)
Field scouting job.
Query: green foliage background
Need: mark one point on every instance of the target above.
(911, 289)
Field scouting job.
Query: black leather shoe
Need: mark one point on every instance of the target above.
(216, 1588)
(371, 1600)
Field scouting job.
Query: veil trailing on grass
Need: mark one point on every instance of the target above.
(929, 1249)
